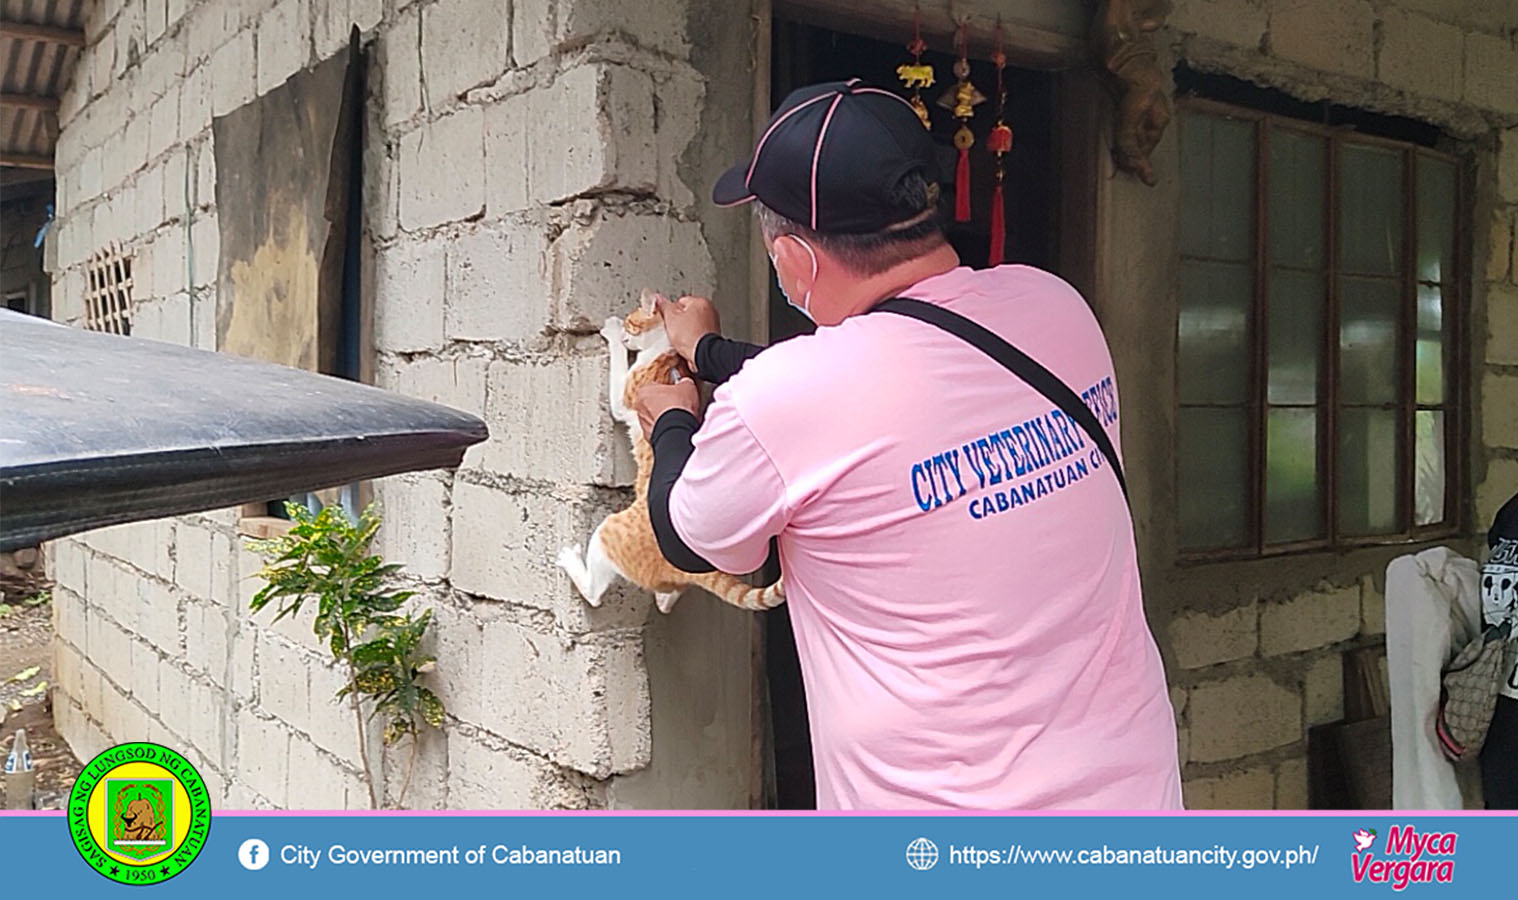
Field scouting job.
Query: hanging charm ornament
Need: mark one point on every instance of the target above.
(962, 99)
(915, 75)
(999, 142)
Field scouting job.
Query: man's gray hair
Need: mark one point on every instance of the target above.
(874, 252)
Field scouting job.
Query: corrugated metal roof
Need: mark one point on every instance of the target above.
(34, 67)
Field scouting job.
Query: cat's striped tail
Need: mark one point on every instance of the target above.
(734, 590)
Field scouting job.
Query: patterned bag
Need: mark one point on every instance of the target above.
(1469, 694)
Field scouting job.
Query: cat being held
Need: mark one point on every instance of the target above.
(624, 543)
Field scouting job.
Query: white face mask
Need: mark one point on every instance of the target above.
(807, 299)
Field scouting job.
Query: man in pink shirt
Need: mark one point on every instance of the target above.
(958, 553)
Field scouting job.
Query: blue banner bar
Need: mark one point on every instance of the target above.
(792, 856)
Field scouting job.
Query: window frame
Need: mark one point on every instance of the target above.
(1455, 349)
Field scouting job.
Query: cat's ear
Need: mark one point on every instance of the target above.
(648, 301)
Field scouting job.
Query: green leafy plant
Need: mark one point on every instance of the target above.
(324, 558)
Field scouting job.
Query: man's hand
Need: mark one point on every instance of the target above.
(687, 321)
(654, 400)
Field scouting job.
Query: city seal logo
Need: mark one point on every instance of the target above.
(139, 813)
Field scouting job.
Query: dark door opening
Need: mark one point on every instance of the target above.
(803, 54)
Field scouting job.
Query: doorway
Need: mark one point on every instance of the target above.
(802, 54)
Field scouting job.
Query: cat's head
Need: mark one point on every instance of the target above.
(643, 328)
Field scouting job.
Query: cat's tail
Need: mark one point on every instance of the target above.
(734, 590)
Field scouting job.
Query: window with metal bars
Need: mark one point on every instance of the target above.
(1317, 337)
(108, 291)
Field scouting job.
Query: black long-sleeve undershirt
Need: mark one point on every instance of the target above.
(717, 360)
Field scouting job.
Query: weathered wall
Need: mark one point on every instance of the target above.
(529, 166)
(526, 173)
(1254, 650)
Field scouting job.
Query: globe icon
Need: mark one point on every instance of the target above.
(922, 854)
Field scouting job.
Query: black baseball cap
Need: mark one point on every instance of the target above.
(831, 158)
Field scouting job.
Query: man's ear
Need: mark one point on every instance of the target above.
(793, 257)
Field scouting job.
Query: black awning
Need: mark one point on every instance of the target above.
(97, 429)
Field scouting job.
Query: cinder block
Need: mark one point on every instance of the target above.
(208, 26)
(1314, 619)
(1499, 410)
(1500, 254)
(155, 19)
(660, 26)
(602, 139)
(1249, 789)
(572, 438)
(208, 722)
(400, 46)
(1495, 490)
(600, 267)
(464, 45)
(176, 699)
(146, 664)
(169, 273)
(234, 76)
(193, 560)
(417, 532)
(457, 381)
(206, 634)
(205, 176)
(1490, 61)
(283, 681)
(582, 704)
(163, 124)
(333, 726)
(205, 241)
(157, 614)
(284, 43)
(408, 314)
(71, 620)
(497, 287)
(1417, 55)
(442, 170)
(455, 639)
(315, 783)
(1238, 22)
(1323, 689)
(1202, 639)
(332, 19)
(1502, 324)
(483, 776)
(533, 31)
(1372, 607)
(148, 200)
(506, 545)
(194, 103)
(1242, 715)
(263, 757)
(1333, 37)
(1507, 166)
(67, 560)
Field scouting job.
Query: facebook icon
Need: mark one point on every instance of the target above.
(253, 854)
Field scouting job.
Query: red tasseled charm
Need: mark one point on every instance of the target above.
(962, 187)
(998, 227)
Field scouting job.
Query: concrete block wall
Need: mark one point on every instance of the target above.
(522, 185)
(530, 164)
(1498, 387)
(1248, 682)
(1255, 651)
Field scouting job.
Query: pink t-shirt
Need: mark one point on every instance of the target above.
(959, 562)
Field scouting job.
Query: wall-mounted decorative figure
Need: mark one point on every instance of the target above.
(1122, 44)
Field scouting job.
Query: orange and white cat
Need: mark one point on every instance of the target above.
(624, 543)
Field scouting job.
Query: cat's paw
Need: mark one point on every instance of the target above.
(574, 566)
(666, 602)
(613, 332)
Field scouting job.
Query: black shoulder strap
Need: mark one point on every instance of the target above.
(1018, 363)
